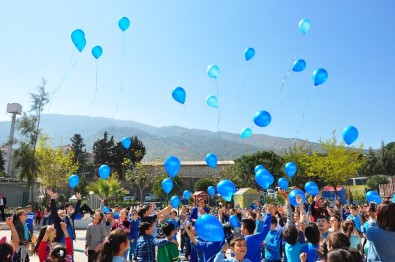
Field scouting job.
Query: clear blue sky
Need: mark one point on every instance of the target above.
(171, 43)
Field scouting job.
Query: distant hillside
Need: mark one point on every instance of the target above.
(187, 144)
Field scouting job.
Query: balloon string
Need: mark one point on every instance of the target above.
(94, 99)
(176, 184)
(303, 115)
(283, 88)
(123, 61)
(242, 87)
(219, 112)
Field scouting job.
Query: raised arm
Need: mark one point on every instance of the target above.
(14, 234)
(77, 206)
(54, 209)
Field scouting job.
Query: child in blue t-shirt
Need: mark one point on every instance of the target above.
(30, 219)
(292, 247)
(272, 243)
(312, 234)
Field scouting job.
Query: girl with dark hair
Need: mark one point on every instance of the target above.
(382, 236)
(59, 253)
(22, 229)
(114, 246)
(40, 238)
(348, 228)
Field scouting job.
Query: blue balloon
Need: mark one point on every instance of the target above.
(187, 194)
(290, 169)
(106, 209)
(393, 198)
(167, 185)
(246, 133)
(209, 228)
(320, 76)
(350, 134)
(371, 196)
(97, 51)
(304, 25)
(311, 188)
(262, 118)
(179, 95)
(226, 189)
(299, 65)
(283, 183)
(264, 178)
(211, 160)
(73, 181)
(213, 71)
(211, 190)
(212, 101)
(124, 23)
(249, 53)
(292, 197)
(258, 167)
(78, 38)
(234, 221)
(175, 201)
(126, 142)
(172, 165)
(104, 171)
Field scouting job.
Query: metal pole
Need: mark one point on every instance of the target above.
(10, 142)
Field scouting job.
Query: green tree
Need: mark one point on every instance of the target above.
(2, 164)
(29, 127)
(138, 176)
(338, 165)
(370, 166)
(300, 156)
(109, 188)
(386, 160)
(203, 183)
(79, 150)
(55, 166)
(102, 150)
(135, 153)
(375, 181)
(243, 170)
(157, 186)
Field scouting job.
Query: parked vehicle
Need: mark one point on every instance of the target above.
(150, 197)
(129, 198)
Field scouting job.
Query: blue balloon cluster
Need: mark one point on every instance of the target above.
(249, 53)
(262, 118)
(211, 191)
(187, 194)
(175, 201)
(290, 169)
(211, 160)
(213, 71)
(226, 189)
(264, 178)
(104, 171)
(78, 39)
(74, 181)
(179, 94)
(299, 65)
(97, 51)
(292, 196)
(246, 133)
(167, 185)
(350, 134)
(212, 101)
(126, 142)
(123, 23)
(320, 76)
(283, 183)
(209, 228)
(172, 165)
(373, 196)
(311, 188)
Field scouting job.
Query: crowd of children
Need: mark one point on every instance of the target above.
(273, 233)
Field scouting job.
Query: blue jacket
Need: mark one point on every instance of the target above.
(194, 213)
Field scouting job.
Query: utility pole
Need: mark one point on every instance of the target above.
(14, 109)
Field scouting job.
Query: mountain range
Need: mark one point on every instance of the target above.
(160, 142)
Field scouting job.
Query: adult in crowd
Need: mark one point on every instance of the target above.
(317, 209)
(47, 215)
(199, 210)
(382, 236)
(3, 204)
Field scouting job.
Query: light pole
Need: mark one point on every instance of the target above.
(14, 109)
(91, 193)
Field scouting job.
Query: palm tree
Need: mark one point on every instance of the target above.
(109, 188)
